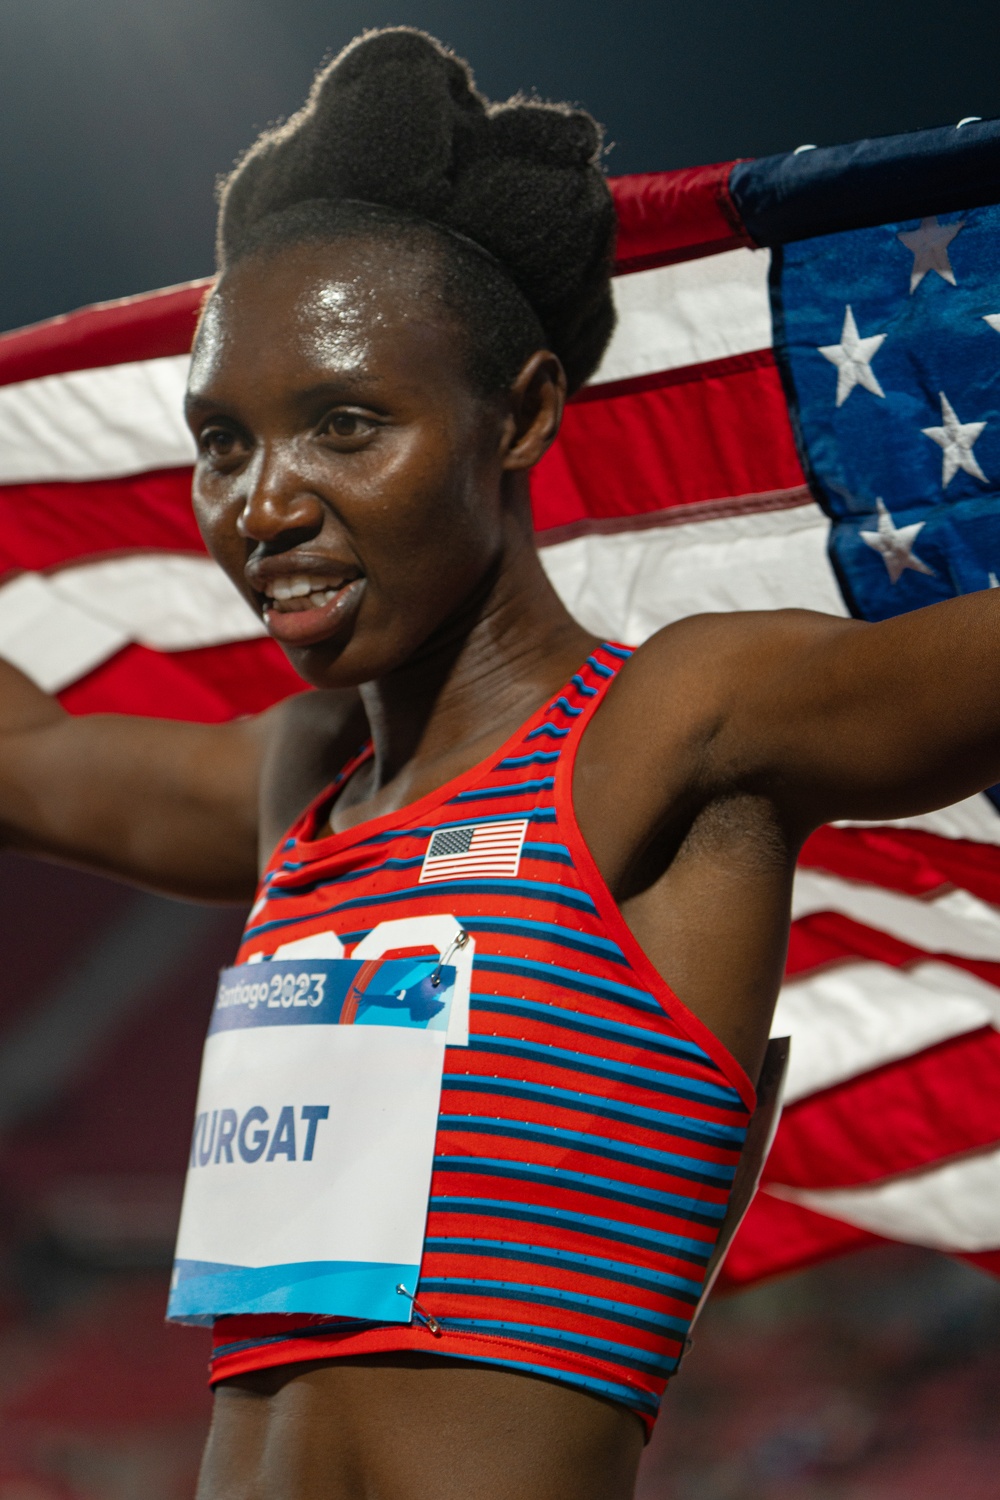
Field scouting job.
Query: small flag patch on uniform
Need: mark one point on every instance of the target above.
(473, 850)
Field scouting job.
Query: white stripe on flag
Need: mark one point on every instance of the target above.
(847, 1020)
(684, 314)
(50, 639)
(954, 1206)
(95, 424)
(632, 583)
(57, 628)
(115, 420)
(170, 601)
(955, 922)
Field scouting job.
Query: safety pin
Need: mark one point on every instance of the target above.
(453, 947)
(432, 1323)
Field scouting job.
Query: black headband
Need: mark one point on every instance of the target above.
(454, 234)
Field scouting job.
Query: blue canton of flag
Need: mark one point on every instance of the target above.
(890, 340)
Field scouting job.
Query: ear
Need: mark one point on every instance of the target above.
(535, 404)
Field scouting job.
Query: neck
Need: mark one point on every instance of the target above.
(482, 674)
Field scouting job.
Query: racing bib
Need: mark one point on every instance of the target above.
(313, 1145)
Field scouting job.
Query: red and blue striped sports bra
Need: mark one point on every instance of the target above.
(588, 1134)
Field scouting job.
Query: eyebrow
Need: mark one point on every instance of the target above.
(339, 383)
(344, 386)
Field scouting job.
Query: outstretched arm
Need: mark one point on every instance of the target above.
(168, 805)
(841, 719)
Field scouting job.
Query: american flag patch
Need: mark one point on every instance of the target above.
(474, 849)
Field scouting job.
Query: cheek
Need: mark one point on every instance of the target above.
(424, 564)
(438, 511)
(217, 517)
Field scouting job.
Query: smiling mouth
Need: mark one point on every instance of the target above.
(298, 593)
(303, 608)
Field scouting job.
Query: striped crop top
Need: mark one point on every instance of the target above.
(588, 1134)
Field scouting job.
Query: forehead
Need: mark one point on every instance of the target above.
(350, 307)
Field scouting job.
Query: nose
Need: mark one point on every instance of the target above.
(279, 502)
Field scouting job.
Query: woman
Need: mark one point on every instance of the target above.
(411, 282)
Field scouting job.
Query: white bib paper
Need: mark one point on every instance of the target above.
(313, 1146)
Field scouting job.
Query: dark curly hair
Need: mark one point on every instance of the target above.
(395, 142)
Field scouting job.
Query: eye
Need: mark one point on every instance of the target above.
(349, 426)
(219, 443)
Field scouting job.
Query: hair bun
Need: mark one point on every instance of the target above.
(396, 120)
(387, 118)
(551, 133)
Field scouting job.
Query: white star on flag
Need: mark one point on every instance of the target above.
(930, 244)
(956, 439)
(993, 319)
(853, 356)
(895, 543)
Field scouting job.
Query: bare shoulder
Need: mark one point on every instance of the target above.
(309, 738)
(703, 662)
(675, 752)
(696, 642)
(680, 690)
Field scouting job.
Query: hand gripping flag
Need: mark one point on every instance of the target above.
(800, 406)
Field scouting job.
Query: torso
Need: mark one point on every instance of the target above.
(707, 901)
(701, 877)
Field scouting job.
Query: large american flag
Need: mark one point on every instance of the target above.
(800, 406)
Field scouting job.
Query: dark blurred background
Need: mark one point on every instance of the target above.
(871, 1379)
(117, 115)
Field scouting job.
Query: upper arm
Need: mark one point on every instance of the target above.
(843, 719)
(169, 805)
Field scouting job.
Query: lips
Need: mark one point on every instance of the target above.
(302, 608)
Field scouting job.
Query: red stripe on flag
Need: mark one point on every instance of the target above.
(829, 937)
(777, 1236)
(210, 685)
(897, 1118)
(662, 216)
(906, 859)
(729, 419)
(670, 216)
(150, 326)
(707, 369)
(988, 1260)
(45, 525)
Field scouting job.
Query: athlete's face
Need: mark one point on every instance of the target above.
(350, 480)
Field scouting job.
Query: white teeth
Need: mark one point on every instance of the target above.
(296, 587)
(299, 591)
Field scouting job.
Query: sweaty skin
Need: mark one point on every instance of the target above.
(373, 507)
